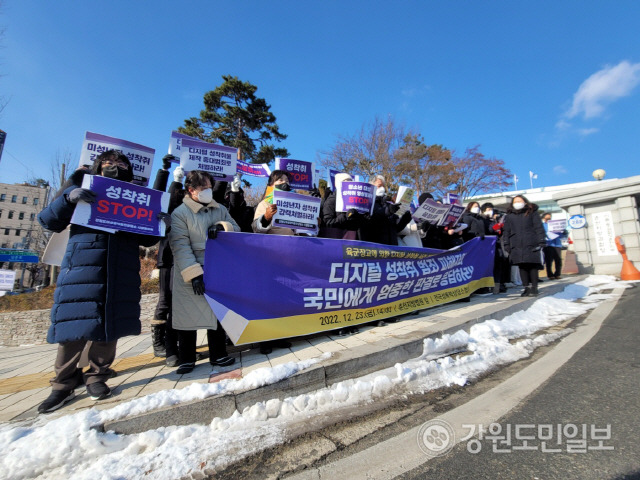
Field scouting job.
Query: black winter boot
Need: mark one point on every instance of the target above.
(526, 292)
(157, 339)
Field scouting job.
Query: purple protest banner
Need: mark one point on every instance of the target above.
(121, 206)
(141, 157)
(332, 177)
(358, 195)
(301, 172)
(217, 160)
(254, 169)
(303, 285)
(175, 144)
(453, 215)
(296, 211)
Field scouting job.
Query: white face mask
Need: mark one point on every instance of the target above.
(475, 210)
(205, 196)
(518, 206)
(488, 213)
(380, 191)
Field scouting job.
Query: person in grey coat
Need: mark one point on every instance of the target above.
(523, 239)
(198, 218)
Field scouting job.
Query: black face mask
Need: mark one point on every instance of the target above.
(285, 187)
(111, 171)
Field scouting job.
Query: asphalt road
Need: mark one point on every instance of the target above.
(598, 386)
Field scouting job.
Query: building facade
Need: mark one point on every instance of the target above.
(19, 227)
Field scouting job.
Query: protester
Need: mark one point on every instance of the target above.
(199, 217)
(263, 223)
(524, 238)
(164, 337)
(236, 204)
(411, 235)
(97, 296)
(433, 234)
(334, 224)
(384, 225)
(266, 209)
(552, 250)
(474, 221)
(501, 267)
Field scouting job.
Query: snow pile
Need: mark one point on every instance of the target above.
(199, 391)
(66, 447)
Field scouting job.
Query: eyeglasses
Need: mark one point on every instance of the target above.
(117, 163)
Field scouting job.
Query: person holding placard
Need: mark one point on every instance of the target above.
(334, 224)
(263, 223)
(198, 218)
(97, 296)
(384, 225)
(552, 250)
(266, 209)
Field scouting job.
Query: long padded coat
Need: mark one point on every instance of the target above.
(523, 233)
(189, 224)
(97, 294)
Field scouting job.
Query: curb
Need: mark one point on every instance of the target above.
(342, 365)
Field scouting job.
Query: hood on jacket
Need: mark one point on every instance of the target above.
(342, 177)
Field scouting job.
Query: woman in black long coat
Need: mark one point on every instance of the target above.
(523, 238)
(97, 296)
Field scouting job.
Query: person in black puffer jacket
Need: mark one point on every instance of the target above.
(475, 224)
(97, 296)
(523, 238)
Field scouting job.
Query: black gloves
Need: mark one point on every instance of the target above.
(212, 233)
(315, 192)
(166, 161)
(482, 236)
(352, 213)
(393, 207)
(83, 194)
(198, 285)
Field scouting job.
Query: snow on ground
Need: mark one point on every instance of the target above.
(66, 447)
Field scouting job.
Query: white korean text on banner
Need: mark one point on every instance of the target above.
(303, 285)
(217, 160)
(300, 171)
(175, 144)
(358, 195)
(121, 206)
(254, 169)
(141, 157)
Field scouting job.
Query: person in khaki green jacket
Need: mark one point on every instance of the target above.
(198, 218)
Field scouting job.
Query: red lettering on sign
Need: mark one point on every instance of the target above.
(103, 206)
(115, 207)
(129, 208)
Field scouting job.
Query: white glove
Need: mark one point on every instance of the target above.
(178, 174)
(235, 185)
(413, 227)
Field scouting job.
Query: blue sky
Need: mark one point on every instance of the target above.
(546, 86)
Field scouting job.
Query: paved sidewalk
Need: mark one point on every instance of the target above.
(25, 371)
